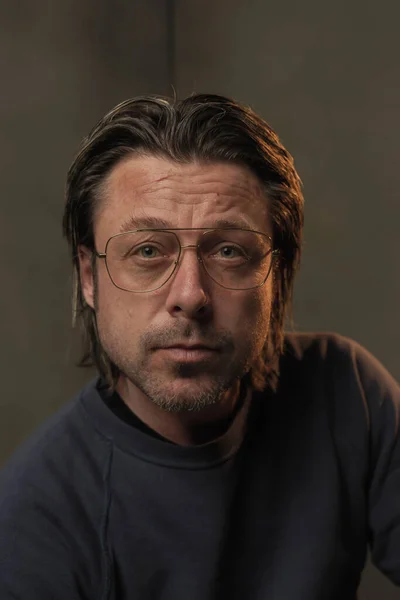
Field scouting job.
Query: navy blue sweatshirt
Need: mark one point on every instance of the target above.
(281, 507)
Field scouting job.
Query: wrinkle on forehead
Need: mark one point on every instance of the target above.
(141, 183)
(138, 175)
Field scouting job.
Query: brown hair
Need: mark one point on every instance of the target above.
(203, 128)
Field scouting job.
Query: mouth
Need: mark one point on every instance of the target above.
(188, 353)
(189, 347)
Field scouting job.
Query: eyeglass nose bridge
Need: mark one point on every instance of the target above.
(197, 246)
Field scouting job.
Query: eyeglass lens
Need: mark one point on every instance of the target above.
(145, 260)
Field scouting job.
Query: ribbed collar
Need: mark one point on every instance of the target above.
(150, 449)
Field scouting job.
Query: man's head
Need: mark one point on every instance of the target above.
(214, 178)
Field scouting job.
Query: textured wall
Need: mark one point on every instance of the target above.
(325, 75)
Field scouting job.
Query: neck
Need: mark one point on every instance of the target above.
(185, 428)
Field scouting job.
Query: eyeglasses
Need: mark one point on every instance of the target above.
(143, 260)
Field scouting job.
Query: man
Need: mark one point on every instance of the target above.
(214, 457)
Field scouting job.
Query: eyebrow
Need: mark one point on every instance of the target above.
(158, 223)
(144, 222)
(234, 223)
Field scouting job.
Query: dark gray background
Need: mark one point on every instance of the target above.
(325, 75)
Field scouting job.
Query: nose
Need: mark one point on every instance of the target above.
(188, 294)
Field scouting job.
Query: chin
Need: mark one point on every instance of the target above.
(184, 395)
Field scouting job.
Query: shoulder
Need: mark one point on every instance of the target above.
(343, 370)
(337, 354)
(52, 503)
(64, 456)
(323, 345)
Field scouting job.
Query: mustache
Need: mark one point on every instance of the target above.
(157, 337)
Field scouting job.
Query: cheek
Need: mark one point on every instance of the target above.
(122, 314)
(258, 310)
(248, 315)
(117, 310)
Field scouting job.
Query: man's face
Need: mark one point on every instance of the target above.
(138, 330)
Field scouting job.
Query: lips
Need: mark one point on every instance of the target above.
(188, 353)
(189, 347)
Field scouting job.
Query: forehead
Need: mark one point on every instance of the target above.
(180, 195)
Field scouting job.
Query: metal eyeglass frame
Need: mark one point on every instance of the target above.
(205, 230)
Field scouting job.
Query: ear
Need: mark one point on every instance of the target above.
(86, 274)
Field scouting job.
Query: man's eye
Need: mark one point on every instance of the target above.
(148, 252)
(230, 252)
